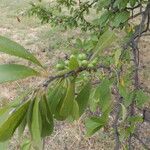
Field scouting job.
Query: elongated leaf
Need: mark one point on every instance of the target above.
(12, 72)
(36, 125)
(55, 96)
(73, 63)
(104, 41)
(120, 18)
(46, 117)
(66, 107)
(29, 114)
(141, 98)
(22, 126)
(10, 47)
(83, 97)
(104, 94)
(94, 124)
(75, 110)
(5, 114)
(4, 145)
(26, 145)
(5, 110)
(57, 114)
(8, 128)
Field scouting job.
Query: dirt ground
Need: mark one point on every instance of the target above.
(49, 45)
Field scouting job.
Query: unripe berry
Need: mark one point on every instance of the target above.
(60, 66)
(84, 62)
(82, 56)
(91, 65)
(72, 56)
(67, 62)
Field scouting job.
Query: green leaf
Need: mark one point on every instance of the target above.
(13, 72)
(22, 126)
(135, 119)
(133, 2)
(104, 18)
(8, 128)
(4, 114)
(83, 97)
(104, 94)
(36, 125)
(120, 18)
(29, 113)
(55, 96)
(5, 110)
(105, 41)
(141, 98)
(10, 47)
(75, 110)
(67, 105)
(121, 4)
(73, 63)
(103, 3)
(46, 118)
(26, 145)
(94, 124)
(127, 96)
(57, 114)
(4, 145)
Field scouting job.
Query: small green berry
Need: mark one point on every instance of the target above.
(72, 56)
(60, 66)
(82, 56)
(90, 65)
(84, 62)
(67, 62)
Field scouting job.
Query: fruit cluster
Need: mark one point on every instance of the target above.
(75, 61)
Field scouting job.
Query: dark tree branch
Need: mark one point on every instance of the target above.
(74, 73)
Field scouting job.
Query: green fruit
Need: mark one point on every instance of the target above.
(91, 65)
(84, 62)
(82, 56)
(60, 66)
(72, 56)
(67, 62)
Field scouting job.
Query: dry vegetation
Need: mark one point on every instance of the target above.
(49, 45)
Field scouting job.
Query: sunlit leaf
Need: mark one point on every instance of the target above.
(26, 145)
(104, 94)
(46, 117)
(94, 124)
(73, 63)
(13, 72)
(8, 128)
(105, 41)
(66, 107)
(120, 18)
(141, 98)
(10, 47)
(36, 125)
